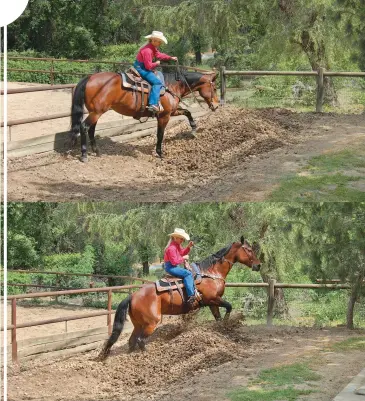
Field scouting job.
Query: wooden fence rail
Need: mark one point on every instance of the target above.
(320, 75)
(271, 286)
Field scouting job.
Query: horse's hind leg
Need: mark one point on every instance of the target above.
(147, 331)
(90, 121)
(92, 139)
(133, 339)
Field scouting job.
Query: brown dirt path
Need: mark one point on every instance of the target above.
(186, 362)
(239, 155)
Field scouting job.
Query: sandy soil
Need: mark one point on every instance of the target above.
(200, 362)
(238, 155)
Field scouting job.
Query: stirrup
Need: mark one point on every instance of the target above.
(191, 300)
(153, 109)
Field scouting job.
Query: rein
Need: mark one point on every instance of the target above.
(181, 75)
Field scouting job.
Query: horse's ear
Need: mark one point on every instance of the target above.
(242, 240)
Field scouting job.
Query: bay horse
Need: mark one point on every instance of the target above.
(146, 306)
(103, 91)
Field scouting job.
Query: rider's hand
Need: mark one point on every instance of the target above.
(174, 58)
(190, 244)
(158, 62)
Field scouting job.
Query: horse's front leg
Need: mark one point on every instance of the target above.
(186, 113)
(161, 126)
(215, 312)
(220, 303)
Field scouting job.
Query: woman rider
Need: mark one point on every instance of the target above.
(174, 256)
(145, 66)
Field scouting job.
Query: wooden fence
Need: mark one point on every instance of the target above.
(91, 339)
(320, 75)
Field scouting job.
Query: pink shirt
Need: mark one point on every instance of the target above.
(174, 253)
(146, 55)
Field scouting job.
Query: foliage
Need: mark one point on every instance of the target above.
(117, 238)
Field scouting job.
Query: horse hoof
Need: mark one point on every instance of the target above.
(97, 152)
(84, 159)
(159, 155)
(193, 133)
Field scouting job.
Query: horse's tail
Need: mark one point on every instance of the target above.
(77, 108)
(120, 318)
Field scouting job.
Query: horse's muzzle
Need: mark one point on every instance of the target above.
(212, 107)
(256, 268)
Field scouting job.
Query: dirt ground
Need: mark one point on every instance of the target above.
(238, 155)
(188, 361)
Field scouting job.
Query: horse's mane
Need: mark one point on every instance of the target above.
(190, 77)
(216, 257)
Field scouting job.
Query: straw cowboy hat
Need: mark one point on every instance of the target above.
(157, 35)
(179, 232)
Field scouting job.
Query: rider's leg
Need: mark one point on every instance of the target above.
(197, 270)
(155, 90)
(185, 275)
(150, 77)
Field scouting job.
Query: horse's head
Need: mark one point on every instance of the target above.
(246, 255)
(208, 90)
(204, 84)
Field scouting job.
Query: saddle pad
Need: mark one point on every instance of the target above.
(129, 82)
(162, 285)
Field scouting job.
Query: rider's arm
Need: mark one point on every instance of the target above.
(147, 55)
(162, 56)
(173, 256)
(184, 251)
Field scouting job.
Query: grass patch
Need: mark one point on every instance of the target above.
(337, 161)
(331, 188)
(288, 374)
(327, 177)
(277, 384)
(289, 394)
(355, 343)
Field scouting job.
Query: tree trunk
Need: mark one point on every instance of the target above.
(355, 293)
(198, 57)
(146, 268)
(316, 53)
(281, 306)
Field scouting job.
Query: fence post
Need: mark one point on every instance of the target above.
(223, 85)
(58, 286)
(320, 89)
(52, 72)
(109, 316)
(270, 301)
(14, 345)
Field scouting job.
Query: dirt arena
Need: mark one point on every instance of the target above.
(187, 360)
(238, 155)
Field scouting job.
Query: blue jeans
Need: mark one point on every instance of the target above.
(150, 77)
(186, 275)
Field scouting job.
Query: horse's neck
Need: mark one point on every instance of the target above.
(181, 88)
(224, 267)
